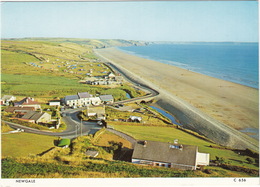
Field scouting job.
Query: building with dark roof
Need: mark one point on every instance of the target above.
(169, 155)
(84, 95)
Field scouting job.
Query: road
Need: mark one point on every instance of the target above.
(74, 126)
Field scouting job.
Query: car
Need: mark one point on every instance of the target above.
(120, 105)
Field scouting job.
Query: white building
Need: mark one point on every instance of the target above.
(81, 99)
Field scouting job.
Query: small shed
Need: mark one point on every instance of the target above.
(64, 142)
(135, 119)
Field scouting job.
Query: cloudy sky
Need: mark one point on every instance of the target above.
(149, 21)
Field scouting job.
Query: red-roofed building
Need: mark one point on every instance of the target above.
(28, 102)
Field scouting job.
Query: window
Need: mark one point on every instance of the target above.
(157, 164)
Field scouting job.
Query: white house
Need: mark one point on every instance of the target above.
(54, 103)
(170, 155)
(7, 98)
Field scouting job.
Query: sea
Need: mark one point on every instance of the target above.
(231, 61)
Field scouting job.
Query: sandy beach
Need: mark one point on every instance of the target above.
(234, 106)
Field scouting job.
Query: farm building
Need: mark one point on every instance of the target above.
(96, 111)
(35, 117)
(28, 102)
(170, 155)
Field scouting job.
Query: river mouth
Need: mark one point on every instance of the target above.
(166, 114)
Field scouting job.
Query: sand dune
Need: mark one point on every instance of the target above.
(232, 105)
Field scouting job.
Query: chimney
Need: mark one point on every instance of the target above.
(145, 143)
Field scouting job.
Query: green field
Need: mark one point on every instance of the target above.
(168, 134)
(54, 77)
(24, 144)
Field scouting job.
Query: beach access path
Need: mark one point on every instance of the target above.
(209, 106)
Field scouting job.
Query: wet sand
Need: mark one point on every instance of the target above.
(233, 105)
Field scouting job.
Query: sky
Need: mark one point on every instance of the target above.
(215, 21)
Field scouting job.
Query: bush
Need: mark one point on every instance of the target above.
(208, 171)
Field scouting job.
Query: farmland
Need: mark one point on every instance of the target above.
(48, 69)
(25, 144)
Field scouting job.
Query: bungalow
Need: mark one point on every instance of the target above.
(28, 102)
(6, 99)
(170, 155)
(107, 99)
(97, 111)
(35, 117)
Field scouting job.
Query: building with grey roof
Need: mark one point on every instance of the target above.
(169, 155)
(84, 95)
(107, 99)
(35, 117)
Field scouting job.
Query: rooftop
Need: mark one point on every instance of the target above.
(27, 101)
(165, 152)
(106, 97)
(71, 97)
(84, 95)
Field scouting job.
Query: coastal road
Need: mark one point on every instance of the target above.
(131, 79)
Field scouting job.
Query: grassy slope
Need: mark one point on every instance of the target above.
(72, 163)
(168, 134)
(21, 79)
(23, 144)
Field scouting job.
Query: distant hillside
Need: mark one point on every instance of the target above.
(93, 43)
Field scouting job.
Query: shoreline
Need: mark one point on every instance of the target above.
(227, 105)
(172, 64)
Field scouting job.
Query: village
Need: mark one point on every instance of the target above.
(94, 108)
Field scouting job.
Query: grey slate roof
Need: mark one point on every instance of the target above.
(164, 152)
(106, 97)
(32, 115)
(84, 95)
(71, 97)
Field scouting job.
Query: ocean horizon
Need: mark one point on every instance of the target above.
(230, 61)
